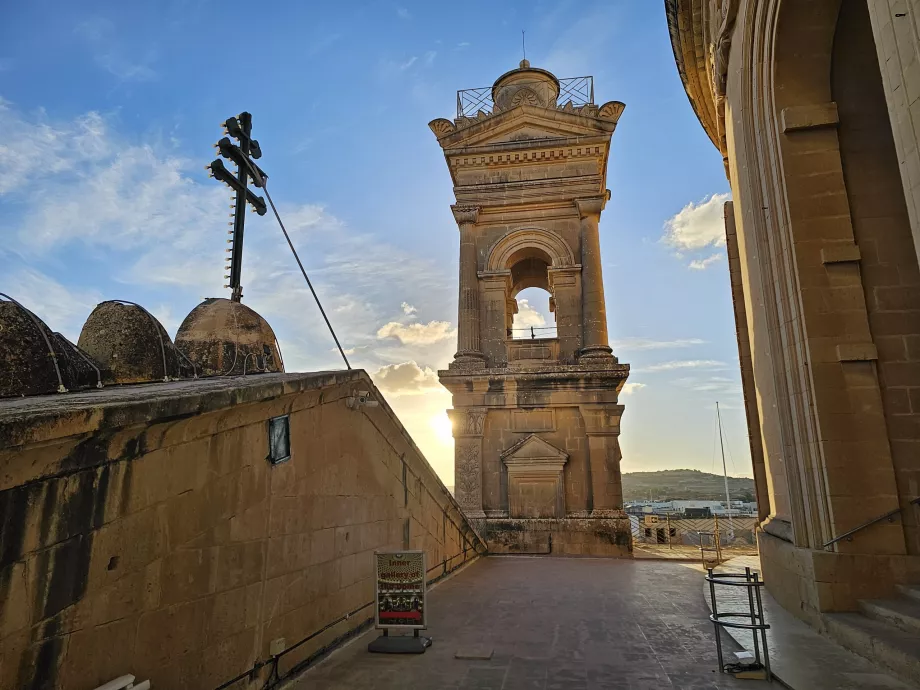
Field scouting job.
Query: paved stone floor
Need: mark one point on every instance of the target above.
(552, 624)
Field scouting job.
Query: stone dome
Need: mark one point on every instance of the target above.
(225, 338)
(130, 342)
(26, 364)
(525, 86)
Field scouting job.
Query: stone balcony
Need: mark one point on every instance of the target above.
(533, 351)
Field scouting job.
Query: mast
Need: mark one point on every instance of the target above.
(728, 499)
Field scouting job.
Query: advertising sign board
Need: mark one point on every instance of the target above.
(401, 592)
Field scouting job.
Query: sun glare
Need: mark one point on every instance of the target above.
(441, 424)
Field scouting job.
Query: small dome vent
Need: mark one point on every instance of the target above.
(130, 342)
(225, 338)
(35, 361)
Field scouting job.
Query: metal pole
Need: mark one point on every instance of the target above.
(668, 515)
(728, 499)
(763, 631)
(715, 624)
(718, 540)
(748, 579)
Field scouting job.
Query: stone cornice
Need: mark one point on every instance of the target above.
(523, 152)
(552, 372)
(565, 122)
(540, 193)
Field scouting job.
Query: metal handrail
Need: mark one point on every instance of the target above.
(887, 516)
(578, 90)
(751, 581)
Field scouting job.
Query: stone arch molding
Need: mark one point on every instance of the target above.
(547, 241)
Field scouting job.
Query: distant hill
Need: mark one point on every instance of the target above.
(670, 485)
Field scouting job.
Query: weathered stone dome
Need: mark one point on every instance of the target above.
(225, 338)
(27, 366)
(130, 342)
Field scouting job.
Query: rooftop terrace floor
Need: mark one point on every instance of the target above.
(552, 624)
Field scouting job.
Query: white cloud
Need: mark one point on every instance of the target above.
(686, 364)
(31, 149)
(723, 385)
(408, 63)
(650, 344)
(408, 309)
(94, 29)
(463, 44)
(527, 316)
(703, 264)
(430, 56)
(630, 388)
(407, 378)
(403, 13)
(63, 309)
(697, 225)
(100, 35)
(417, 333)
(126, 70)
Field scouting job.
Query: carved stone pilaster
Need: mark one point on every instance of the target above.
(468, 427)
(602, 427)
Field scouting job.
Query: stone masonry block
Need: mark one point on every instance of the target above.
(801, 117)
(856, 352)
(840, 253)
(186, 575)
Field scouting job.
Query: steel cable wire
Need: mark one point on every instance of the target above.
(264, 185)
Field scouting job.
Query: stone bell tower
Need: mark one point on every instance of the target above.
(536, 421)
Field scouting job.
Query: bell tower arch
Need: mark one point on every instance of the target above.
(536, 419)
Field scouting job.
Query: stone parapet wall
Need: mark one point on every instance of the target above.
(569, 536)
(809, 582)
(144, 531)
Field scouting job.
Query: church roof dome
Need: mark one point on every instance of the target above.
(130, 342)
(34, 360)
(226, 338)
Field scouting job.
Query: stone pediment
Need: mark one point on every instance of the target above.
(534, 450)
(524, 123)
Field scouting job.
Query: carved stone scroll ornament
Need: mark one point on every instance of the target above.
(611, 110)
(468, 476)
(722, 16)
(465, 215)
(442, 127)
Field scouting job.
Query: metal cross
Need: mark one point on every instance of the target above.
(240, 128)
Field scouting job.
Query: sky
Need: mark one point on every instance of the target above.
(109, 112)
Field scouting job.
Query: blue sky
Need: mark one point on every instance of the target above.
(109, 112)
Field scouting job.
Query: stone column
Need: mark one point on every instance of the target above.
(748, 388)
(604, 481)
(469, 352)
(566, 286)
(592, 279)
(494, 317)
(467, 426)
